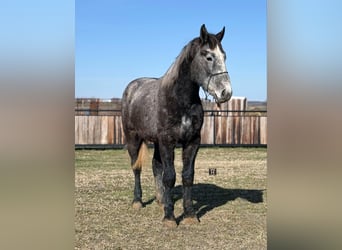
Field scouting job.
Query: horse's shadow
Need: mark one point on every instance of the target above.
(210, 196)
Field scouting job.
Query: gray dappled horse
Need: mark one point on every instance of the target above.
(168, 111)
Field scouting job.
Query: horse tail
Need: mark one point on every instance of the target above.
(142, 157)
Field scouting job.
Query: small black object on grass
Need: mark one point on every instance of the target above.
(212, 171)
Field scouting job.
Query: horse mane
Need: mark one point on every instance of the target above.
(186, 55)
(172, 73)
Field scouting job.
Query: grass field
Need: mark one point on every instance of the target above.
(231, 205)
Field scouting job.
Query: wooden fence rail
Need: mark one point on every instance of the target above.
(231, 125)
(216, 130)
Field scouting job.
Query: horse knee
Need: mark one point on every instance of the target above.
(169, 178)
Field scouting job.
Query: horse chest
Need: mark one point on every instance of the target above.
(186, 123)
(189, 126)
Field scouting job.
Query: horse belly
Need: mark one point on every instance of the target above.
(146, 126)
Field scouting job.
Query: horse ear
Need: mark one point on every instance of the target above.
(220, 35)
(204, 34)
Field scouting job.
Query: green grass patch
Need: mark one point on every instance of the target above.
(231, 204)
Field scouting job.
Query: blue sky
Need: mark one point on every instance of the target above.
(118, 41)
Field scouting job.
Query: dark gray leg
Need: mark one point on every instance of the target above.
(189, 154)
(133, 150)
(169, 179)
(137, 201)
(157, 167)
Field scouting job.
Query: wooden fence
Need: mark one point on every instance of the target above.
(235, 128)
(231, 125)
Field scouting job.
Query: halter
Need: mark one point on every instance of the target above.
(211, 75)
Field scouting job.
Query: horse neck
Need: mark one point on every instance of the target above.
(177, 82)
(182, 92)
(187, 90)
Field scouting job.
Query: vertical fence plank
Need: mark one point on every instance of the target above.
(263, 130)
(230, 132)
(110, 133)
(97, 129)
(84, 131)
(76, 129)
(221, 130)
(118, 136)
(123, 139)
(254, 130)
(246, 133)
(104, 130)
(236, 130)
(91, 132)
(218, 130)
(207, 132)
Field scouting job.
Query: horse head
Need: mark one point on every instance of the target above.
(208, 67)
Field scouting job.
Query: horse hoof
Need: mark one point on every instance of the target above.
(169, 223)
(190, 220)
(137, 205)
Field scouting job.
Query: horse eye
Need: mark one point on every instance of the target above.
(209, 58)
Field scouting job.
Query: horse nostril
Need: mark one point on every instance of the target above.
(223, 92)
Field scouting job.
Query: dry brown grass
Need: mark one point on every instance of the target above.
(231, 205)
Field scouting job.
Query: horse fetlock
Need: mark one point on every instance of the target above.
(189, 211)
(159, 198)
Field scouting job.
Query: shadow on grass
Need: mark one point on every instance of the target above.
(210, 196)
(150, 201)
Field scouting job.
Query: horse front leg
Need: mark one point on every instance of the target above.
(189, 154)
(169, 178)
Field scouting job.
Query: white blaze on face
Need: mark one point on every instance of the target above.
(221, 89)
(220, 61)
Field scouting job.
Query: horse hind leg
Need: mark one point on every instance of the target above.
(137, 152)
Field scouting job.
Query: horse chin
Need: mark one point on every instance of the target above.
(221, 100)
(218, 101)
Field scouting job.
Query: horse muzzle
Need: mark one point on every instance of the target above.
(223, 95)
(220, 87)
